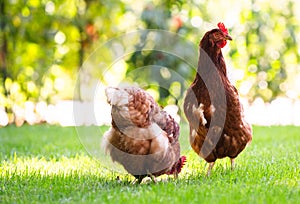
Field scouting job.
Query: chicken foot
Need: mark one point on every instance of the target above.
(140, 179)
(152, 178)
(137, 180)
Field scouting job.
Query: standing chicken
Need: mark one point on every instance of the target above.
(212, 105)
(143, 138)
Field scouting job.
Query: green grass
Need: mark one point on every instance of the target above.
(49, 164)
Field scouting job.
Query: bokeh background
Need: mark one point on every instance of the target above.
(45, 44)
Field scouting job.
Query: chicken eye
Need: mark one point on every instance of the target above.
(217, 35)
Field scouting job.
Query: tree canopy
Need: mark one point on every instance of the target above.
(44, 45)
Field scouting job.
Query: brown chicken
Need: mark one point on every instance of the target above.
(212, 106)
(143, 138)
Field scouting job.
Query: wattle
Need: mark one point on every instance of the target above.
(222, 43)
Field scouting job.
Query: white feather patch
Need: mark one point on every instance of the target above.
(117, 97)
(193, 134)
(200, 112)
(212, 108)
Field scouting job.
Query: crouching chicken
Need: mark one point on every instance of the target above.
(143, 138)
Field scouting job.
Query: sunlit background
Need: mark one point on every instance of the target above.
(45, 46)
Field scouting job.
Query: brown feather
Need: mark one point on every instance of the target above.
(228, 134)
(143, 138)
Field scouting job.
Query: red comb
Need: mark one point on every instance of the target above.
(223, 28)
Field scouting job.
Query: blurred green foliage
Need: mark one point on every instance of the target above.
(44, 43)
(270, 48)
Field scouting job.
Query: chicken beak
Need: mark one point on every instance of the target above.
(227, 37)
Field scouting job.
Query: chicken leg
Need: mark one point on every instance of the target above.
(232, 164)
(211, 165)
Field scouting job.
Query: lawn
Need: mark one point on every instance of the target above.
(59, 165)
